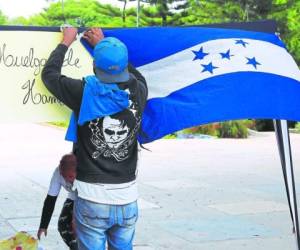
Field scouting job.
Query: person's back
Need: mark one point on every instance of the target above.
(108, 107)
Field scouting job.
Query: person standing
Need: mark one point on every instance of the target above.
(107, 107)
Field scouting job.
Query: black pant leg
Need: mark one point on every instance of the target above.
(65, 224)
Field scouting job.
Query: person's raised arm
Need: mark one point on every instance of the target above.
(93, 36)
(142, 87)
(66, 89)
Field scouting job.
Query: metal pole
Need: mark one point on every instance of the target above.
(63, 10)
(138, 13)
(290, 177)
(279, 137)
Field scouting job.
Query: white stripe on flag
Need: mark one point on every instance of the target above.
(180, 70)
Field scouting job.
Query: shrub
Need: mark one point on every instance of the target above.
(267, 125)
(209, 129)
(297, 127)
(60, 124)
(228, 129)
(264, 125)
(170, 136)
(233, 129)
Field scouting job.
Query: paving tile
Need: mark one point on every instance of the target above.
(251, 207)
(217, 229)
(142, 247)
(24, 206)
(175, 184)
(143, 204)
(31, 224)
(279, 243)
(6, 230)
(53, 241)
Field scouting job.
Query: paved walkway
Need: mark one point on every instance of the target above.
(209, 194)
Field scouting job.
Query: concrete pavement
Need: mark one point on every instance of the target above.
(207, 194)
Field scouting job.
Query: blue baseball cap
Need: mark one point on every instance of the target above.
(111, 60)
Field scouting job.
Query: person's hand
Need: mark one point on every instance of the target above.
(69, 35)
(41, 231)
(93, 36)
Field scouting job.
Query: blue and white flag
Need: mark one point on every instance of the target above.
(201, 75)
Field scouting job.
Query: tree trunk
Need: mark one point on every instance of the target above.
(164, 13)
(124, 13)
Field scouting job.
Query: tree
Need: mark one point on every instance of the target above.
(167, 8)
(88, 13)
(286, 13)
(205, 12)
(252, 9)
(124, 10)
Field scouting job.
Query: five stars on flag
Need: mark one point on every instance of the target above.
(200, 55)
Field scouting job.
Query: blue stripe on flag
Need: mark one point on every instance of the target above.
(231, 96)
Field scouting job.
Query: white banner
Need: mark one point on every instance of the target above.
(23, 54)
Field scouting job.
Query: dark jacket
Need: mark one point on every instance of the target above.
(107, 147)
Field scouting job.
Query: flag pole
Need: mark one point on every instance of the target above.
(63, 11)
(138, 13)
(284, 145)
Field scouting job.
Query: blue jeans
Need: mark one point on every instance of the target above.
(97, 223)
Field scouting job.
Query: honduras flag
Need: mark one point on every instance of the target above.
(200, 75)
